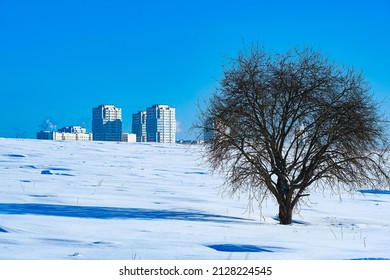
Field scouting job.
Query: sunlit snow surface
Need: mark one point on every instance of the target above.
(102, 200)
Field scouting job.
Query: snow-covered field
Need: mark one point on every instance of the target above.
(102, 200)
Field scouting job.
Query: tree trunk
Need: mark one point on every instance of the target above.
(285, 202)
(285, 213)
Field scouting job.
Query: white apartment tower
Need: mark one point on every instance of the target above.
(107, 123)
(161, 124)
(139, 126)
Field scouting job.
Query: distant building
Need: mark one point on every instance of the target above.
(45, 135)
(129, 137)
(107, 123)
(65, 136)
(73, 129)
(139, 126)
(161, 124)
(208, 130)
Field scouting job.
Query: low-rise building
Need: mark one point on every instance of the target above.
(64, 136)
(129, 137)
(45, 135)
(73, 129)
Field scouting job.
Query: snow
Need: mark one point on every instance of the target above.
(112, 201)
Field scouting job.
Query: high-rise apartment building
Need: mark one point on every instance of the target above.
(161, 124)
(107, 123)
(139, 126)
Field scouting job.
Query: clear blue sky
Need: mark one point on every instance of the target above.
(58, 59)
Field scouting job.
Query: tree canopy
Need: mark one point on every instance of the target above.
(281, 124)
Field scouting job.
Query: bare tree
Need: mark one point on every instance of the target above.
(282, 124)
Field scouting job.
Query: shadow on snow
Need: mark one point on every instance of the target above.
(370, 259)
(15, 155)
(276, 218)
(375, 191)
(244, 248)
(97, 212)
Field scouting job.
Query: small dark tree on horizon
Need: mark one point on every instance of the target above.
(282, 124)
